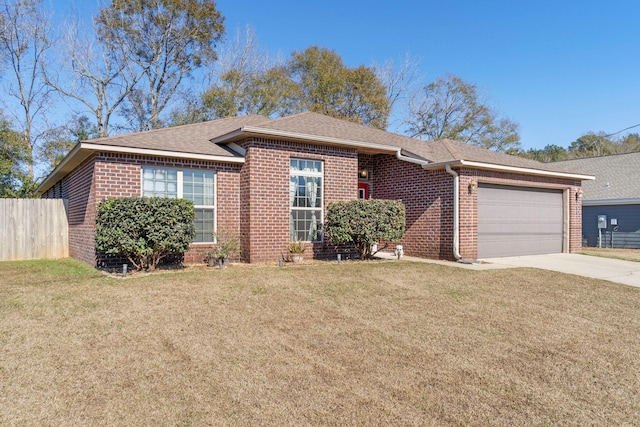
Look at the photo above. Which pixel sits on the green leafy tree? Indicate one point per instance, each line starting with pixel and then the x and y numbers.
pixel 599 144
pixel 59 141
pixel 550 153
pixel 166 40
pixel 14 181
pixel 365 222
pixel 451 108
pixel 239 75
pixel 273 93
pixel 146 229
pixel 630 143
pixel 591 145
pixel 315 80
pixel 327 86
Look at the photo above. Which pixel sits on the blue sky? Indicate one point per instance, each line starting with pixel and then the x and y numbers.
pixel 558 68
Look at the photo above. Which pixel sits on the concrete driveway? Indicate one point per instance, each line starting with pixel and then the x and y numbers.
pixel 614 270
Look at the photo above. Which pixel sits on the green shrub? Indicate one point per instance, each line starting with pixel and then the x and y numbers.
pixel 365 222
pixel 144 229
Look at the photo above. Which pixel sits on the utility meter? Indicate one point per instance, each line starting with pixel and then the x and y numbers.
pixel 602 221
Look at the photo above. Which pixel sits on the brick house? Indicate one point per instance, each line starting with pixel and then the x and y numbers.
pixel 271 180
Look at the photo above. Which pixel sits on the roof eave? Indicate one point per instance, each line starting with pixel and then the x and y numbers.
pixel 602 202
pixel 505 168
pixel 247 131
pixel 84 149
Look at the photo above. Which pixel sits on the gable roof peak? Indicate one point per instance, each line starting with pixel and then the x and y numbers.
pixel 452 148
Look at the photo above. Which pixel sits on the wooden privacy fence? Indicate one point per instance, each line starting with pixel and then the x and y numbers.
pixel 33 229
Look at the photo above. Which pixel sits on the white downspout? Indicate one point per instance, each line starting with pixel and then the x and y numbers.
pixel 456 199
pixel 456 213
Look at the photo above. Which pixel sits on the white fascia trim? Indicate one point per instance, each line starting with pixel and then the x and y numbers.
pixel 164 153
pixel 64 161
pixel 503 168
pixel 527 171
pixel 610 202
pixel 44 185
pixel 302 136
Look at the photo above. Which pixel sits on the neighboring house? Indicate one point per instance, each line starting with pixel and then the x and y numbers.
pixel 271 181
pixel 615 193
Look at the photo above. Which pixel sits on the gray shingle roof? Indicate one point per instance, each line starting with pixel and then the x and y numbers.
pixel 194 138
pixel 198 140
pixel 617 176
pixel 433 151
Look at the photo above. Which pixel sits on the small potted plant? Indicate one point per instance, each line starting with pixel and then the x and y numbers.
pixel 226 245
pixel 296 251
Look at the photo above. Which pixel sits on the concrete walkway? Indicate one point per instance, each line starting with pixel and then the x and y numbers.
pixel 613 270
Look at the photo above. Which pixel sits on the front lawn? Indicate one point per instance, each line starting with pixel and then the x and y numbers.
pixel 616 253
pixel 380 343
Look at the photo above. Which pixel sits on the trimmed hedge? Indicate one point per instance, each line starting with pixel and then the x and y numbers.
pixel 145 229
pixel 365 222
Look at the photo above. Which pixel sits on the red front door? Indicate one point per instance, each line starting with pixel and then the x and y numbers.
pixel 363 190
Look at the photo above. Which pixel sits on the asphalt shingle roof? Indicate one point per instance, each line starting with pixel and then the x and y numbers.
pixel 617 176
pixel 196 139
pixel 433 151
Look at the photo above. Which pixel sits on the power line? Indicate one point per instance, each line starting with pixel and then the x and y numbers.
pixel 615 133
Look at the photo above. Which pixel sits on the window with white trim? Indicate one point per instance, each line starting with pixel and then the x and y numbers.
pixel 195 185
pixel 306 198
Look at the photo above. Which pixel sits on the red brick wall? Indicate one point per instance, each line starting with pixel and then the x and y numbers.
pixel 428 198
pixel 80 188
pixel 253 198
pixel 119 175
pixel 265 193
pixel 106 175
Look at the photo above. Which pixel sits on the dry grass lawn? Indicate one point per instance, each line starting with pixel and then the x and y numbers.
pixel 387 343
pixel 617 253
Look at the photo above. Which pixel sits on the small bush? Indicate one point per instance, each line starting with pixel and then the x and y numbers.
pixel 227 243
pixel 146 229
pixel 297 247
pixel 365 222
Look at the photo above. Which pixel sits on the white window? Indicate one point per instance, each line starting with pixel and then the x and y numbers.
pixel 306 194
pixel 195 185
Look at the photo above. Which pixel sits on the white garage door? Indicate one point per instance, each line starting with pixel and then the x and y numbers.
pixel 516 221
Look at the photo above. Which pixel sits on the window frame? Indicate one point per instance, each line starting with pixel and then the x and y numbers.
pixel 320 208
pixel 180 193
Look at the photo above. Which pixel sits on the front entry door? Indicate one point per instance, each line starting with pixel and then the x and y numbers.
pixel 363 190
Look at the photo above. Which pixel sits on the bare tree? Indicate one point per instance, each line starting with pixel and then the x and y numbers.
pixel 94 73
pixel 165 39
pixel 451 108
pixel 402 80
pixel 23 44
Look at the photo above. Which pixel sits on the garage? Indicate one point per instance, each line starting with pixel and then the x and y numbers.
pixel 515 221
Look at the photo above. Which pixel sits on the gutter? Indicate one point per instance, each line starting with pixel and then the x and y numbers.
pixel 605 202
pixel 83 150
pixel 296 136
